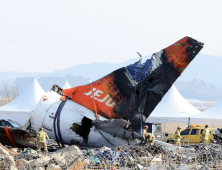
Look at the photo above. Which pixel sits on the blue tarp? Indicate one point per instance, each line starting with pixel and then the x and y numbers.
pixel 139 71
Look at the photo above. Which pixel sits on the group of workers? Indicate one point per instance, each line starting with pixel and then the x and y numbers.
pixel 148 137
pixel 204 136
pixel 41 138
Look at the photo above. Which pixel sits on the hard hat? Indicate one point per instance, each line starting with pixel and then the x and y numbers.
pixel 206 126
pixel 146 126
pixel 41 128
pixel 179 127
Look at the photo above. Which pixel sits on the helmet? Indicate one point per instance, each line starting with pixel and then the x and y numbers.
pixel 41 128
pixel 145 127
pixel 179 127
pixel 206 126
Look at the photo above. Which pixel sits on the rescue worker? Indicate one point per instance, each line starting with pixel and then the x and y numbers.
pixel 144 131
pixel 204 135
pixel 177 137
pixel 149 137
pixel 41 139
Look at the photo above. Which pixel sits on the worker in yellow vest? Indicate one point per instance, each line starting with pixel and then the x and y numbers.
pixel 205 135
pixel 149 137
pixel 177 137
pixel 144 131
pixel 41 139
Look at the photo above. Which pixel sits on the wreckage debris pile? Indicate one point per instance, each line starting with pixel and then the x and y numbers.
pixel 138 157
pixel 30 159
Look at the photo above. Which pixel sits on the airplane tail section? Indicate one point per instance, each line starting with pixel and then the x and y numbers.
pixel 132 92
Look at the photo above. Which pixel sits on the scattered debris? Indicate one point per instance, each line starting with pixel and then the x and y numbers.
pixel 129 157
pixel 6 160
pixel 28 154
pixel 21 163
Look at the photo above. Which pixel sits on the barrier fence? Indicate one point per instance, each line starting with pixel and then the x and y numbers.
pixel 159 156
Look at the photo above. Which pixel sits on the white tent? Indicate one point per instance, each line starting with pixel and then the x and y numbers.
pixel 212 116
pixel 173 108
pixel 214 112
pixel 20 109
pixel 66 85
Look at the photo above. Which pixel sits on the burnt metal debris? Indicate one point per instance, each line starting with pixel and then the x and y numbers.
pixel 217 137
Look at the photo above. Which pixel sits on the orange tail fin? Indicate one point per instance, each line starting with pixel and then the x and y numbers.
pixel 133 92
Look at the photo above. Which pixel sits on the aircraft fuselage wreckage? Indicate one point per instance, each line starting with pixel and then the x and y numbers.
pixel 108 111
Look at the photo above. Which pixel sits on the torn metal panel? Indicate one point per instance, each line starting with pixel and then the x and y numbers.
pixel 117 127
pixel 83 130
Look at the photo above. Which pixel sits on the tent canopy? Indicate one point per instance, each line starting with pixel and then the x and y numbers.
pixel 210 116
pixel 173 108
pixel 66 85
pixel 214 112
pixel 19 109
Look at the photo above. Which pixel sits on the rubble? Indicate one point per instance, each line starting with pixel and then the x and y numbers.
pixel 72 148
pixel 10 151
pixel 158 156
pixel 7 161
pixel 21 163
pixel 40 162
pixel 54 167
pixel 28 154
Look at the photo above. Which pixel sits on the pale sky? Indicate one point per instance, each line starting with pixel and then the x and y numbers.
pixel 49 35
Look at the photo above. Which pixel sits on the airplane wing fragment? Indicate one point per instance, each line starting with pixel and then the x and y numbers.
pixel 117 127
